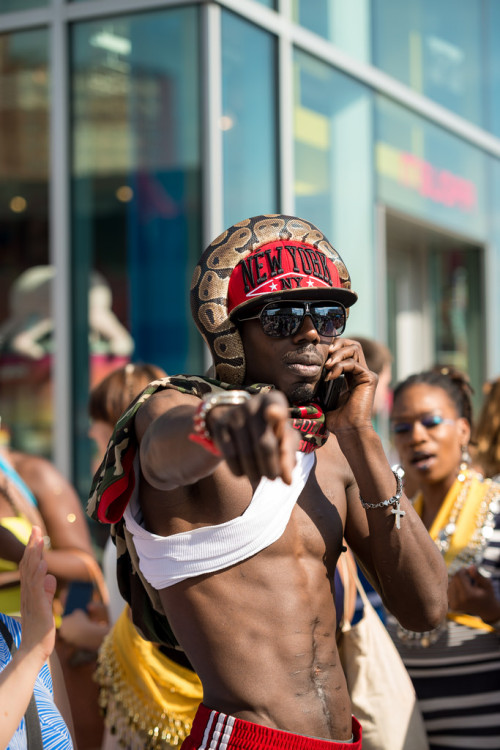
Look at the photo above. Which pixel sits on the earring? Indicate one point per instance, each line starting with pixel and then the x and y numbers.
pixel 465 460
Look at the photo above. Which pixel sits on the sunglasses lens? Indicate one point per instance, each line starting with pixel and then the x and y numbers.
pixel 329 319
pixel 433 421
pixel 400 428
pixel 285 318
pixel 281 320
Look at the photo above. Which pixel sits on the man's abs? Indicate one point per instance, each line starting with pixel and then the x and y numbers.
pixel 261 636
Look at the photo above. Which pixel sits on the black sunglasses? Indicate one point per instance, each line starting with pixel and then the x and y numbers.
pixel 284 318
pixel 429 422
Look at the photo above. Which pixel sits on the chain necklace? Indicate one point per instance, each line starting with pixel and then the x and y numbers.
pixel 472 554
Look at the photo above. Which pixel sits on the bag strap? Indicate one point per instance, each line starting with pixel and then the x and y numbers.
pixel 7 636
pixel 95 574
pixel 362 593
pixel 346 575
pixel 33 729
pixel 31 717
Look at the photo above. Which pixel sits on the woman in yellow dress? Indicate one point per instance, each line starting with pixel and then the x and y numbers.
pixel 455 668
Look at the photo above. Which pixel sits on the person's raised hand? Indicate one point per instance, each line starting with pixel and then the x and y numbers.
pixel 256 438
pixel 37 594
pixel 345 357
pixel 472 593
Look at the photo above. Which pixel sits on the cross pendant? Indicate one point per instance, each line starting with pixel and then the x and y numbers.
pixel 399 515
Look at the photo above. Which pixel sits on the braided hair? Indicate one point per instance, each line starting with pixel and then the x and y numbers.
pixel 487 433
pixel 453 382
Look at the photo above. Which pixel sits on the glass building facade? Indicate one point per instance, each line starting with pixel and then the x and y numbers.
pixel 132 133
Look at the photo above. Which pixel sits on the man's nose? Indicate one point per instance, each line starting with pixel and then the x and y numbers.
pixel 307 329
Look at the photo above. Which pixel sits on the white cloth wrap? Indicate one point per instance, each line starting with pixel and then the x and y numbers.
pixel 165 561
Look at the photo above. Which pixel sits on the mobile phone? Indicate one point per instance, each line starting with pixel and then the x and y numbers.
pixel 79 595
pixel 330 391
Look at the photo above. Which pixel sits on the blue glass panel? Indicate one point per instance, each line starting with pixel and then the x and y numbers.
pixel 427 172
pixel 435 48
pixel 8 6
pixel 136 197
pixel 333 171
pixel 345 23
pixel 26 278
pixel 492 54
pixel 249 120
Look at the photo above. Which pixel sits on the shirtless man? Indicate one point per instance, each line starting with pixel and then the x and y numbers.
pixel 247 581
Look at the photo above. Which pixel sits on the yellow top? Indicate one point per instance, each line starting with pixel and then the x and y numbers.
pixel 144 693
pixel 466 522
pixel 10 596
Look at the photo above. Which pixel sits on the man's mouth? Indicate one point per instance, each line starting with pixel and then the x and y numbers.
pixel 307 365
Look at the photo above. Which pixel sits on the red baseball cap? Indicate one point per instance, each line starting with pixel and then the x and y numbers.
pixel 288 268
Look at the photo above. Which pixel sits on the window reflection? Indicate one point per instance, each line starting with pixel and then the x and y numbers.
pixel 424 170
pixel 333 168
pixel 136 193
pixel 492 80
pixel 346 23
pixel 25 339
pixel 8 6
pixel 436 48
pixel 249 120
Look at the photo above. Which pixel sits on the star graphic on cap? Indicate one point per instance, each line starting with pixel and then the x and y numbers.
pixel 310 282
pixel 274 286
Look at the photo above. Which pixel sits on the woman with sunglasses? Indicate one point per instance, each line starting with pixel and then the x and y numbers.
pixel 456 667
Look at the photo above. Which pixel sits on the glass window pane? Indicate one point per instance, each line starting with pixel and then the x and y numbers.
pixel 249 120
pixel 425 171
pixel 136 196
pixel 493 66
pixel 435 295
pixel 333 171
pixel 455 281
pixel 10 6
pixel 346 23
pixel 26 278
pixel 492 274
pixel 433 47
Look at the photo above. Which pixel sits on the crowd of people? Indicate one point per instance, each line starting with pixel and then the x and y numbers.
pixel 243 509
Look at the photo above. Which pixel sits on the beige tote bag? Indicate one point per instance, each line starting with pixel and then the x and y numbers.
pixel 382 693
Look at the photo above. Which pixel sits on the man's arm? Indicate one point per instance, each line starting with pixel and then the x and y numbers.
pixel 403 563
pixel 254 438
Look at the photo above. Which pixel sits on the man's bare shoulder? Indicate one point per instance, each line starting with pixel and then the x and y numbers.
pixel 158 404
pixel 333 473
pixel 331 458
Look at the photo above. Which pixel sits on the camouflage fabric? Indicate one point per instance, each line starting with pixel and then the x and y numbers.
pixel 115 480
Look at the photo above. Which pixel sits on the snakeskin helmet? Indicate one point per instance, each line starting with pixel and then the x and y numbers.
pixel 254 259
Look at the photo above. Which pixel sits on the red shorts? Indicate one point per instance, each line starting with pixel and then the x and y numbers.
pixel 213 730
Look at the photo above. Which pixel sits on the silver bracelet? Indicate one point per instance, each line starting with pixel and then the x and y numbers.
pixel 200 433
pixel 209 402
pixel 394 500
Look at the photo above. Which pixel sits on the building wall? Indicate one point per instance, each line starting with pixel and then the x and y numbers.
pixel 131 134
